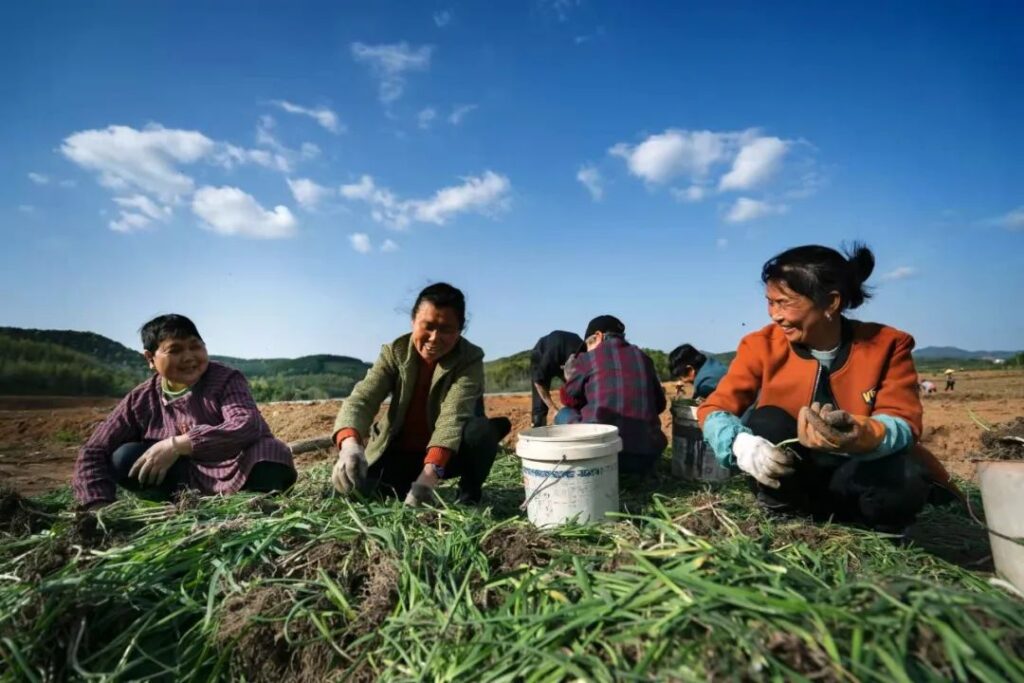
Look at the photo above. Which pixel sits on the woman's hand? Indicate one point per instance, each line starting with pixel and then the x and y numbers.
pixel 762 459
pixel 350 470
pixel 422 490
pixel 823 428
pixel 152 467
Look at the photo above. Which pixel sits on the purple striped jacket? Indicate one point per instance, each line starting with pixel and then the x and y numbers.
pixel 219 416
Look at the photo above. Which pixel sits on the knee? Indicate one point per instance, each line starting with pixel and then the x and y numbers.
pixel 477 433
pixel 125 456
pixel 772 423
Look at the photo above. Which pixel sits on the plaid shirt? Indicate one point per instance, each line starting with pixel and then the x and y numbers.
pixel 616 384
pixel 219 416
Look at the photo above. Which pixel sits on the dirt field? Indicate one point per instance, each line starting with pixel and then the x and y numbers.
pixel 40 436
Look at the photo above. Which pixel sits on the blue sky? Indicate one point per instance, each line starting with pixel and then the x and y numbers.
pixel 289 175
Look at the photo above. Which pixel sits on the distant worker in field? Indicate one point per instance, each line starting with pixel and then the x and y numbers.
pixel 613 382
pixel 434 428
pixel 547 361
pixel 690 366
pixel 192 425
pixel 928 387
pixel 846 389
pixel 950 380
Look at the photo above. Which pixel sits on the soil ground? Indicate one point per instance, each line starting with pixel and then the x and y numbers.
pixel 39 436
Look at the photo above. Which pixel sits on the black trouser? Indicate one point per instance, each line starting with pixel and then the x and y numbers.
pixel 395 471
pixel 884 493
pixel 540 408
pixel 264 476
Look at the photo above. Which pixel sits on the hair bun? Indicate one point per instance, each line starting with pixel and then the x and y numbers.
pixel 862 262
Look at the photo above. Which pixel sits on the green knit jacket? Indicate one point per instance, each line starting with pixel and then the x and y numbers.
pixel 457 386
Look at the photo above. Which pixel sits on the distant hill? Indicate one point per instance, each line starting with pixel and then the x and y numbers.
pixel 72 363
pixel 952 352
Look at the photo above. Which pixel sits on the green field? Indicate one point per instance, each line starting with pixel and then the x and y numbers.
pixel 690 584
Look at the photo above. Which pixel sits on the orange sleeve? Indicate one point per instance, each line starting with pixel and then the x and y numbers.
pixel 738 389
pixel 897 393
pixel 343 434
pixel 438 456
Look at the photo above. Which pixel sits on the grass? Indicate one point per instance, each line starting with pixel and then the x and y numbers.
pixel 690 584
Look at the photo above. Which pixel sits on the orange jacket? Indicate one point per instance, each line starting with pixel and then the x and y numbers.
pixel 873 373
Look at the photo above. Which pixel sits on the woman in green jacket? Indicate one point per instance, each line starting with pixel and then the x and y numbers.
pixel 434 428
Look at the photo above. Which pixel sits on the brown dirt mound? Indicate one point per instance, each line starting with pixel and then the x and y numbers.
pixel 803 657
pixel 19 516
pixel 264 646
pixel 996 444
pixel 508 548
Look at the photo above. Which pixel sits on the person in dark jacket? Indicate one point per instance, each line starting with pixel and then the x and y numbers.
pixel 547 361
pixel 690 366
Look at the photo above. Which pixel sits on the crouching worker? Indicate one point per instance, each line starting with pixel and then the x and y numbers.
pixel 690 366
pixel 434 428
pixel 613 382
pixel 846 389
pixel 192 425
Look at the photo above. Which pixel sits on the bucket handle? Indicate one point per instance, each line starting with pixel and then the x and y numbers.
pixel 1015 540
pixel 540 486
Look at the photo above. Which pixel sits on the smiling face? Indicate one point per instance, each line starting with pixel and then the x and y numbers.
pixel 179 361
pixel 801 320
pixel 435 331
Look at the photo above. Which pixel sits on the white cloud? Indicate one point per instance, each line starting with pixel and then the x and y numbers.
pixel 900 273
pixel 756 162
pixel 746 209
pixel 1014 220
pixel 426 117
pixel 390 63
pixel 360 242
pixel 309 150
pixel 721 243
pixel 560 8
pixel 322 115
pixel 230 211
pixel 459 112
pixel 694 193
pixel 591 179
pixel 675 152
pixel 143 160
pixel 129 222
pixel 307 193
pixel 485 194
pixel 442 18
pixel 39 178
pixel 138 212
pixel 230 156
pixel 389 245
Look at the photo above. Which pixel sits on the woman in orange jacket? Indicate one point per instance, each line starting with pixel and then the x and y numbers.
pixel 846 389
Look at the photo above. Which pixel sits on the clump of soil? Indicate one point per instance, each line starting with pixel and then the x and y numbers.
pixel 19 516
pixel 1004 441
pixel 706 518
pixel 379 594
pixel 788 534
pixel 508 548
pixel 254 626
pixel 802 657
pixel 186 499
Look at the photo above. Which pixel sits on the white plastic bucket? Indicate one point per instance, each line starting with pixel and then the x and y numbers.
pixel 1002 486
pixel 570 472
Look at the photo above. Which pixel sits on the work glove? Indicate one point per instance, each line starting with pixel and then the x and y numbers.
pixel 350 470
pixel 422 490
pixel 570 367
pixel 761 459
pixel 824 428
pixel 152 466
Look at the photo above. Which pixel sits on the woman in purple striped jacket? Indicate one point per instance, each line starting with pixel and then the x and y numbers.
pixel 194 424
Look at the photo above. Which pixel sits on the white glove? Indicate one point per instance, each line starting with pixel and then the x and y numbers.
pixel 350 470
pixel 422 490
pixel 760 458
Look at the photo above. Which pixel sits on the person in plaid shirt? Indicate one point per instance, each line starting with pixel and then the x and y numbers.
pixel 613 382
